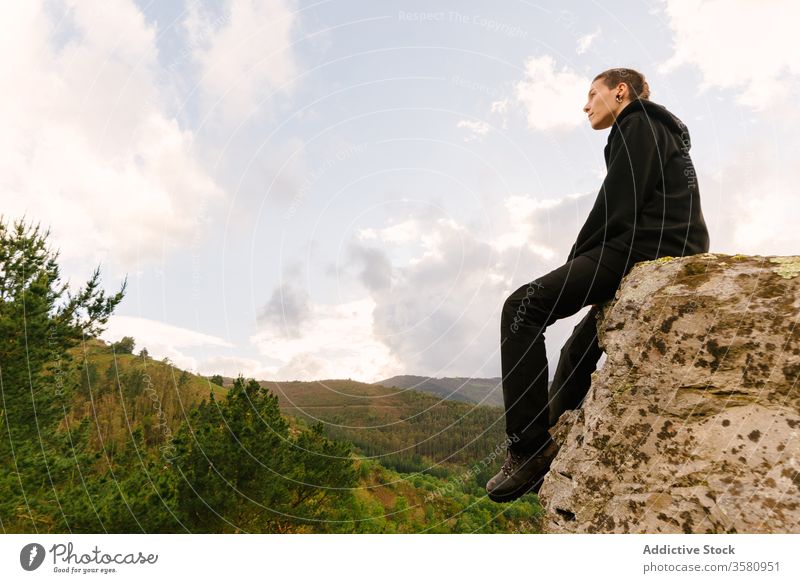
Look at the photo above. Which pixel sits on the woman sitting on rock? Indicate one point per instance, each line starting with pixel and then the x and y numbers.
pixel 648 207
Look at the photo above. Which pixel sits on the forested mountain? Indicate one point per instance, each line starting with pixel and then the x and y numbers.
pixel 487 391
pixel 96 438
pixel 148 447
pixel 407 430
pixel 471 390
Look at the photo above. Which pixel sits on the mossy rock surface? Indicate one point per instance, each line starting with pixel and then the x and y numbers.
pixel 690 426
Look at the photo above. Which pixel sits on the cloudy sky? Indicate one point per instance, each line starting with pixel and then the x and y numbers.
pixel 342 189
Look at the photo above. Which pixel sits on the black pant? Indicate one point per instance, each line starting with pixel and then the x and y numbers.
pixel 530 411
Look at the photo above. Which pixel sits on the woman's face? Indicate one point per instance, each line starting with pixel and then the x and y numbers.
pixel 602 106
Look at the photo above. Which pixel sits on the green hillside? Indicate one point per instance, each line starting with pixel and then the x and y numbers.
pixel 121 392
pixel 146 466
pixel 407 430
pixel 487 392
pixel 99 439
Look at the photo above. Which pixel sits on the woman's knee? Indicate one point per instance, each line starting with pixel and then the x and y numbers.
pixel 523 305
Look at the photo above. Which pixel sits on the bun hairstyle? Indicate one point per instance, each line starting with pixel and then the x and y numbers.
pixel 633 79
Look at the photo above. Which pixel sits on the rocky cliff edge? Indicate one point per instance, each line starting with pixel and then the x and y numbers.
pixel 693 422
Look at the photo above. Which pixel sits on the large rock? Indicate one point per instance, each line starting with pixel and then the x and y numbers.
pixel 693 422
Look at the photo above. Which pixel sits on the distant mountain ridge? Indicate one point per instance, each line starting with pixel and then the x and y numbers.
pixel 407 430
pixel 484 391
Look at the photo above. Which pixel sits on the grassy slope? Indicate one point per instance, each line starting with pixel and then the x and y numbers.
pixel 406 429
pixel 374 418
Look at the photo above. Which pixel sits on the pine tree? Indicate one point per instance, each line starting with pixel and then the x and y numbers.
pixel 239 471
pixel 40 322
pixel 124 346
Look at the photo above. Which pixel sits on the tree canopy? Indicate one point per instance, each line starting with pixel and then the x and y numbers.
pixel 41 320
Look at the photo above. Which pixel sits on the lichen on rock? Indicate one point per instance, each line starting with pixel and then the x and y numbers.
pixel 789 266
pixel 693 423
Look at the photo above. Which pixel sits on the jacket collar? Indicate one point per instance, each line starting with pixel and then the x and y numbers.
pixel 653 111
pixel 635 105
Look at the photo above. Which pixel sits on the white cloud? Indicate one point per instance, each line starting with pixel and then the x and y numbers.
pixel 751 46
pixel 432 290
pixel 439 316
pixel 524 228
pixel 552 99
pixel 87 146
pixel 413 234
pixel 751 204
pixel 436 311
pixel 232 366
pixel 500 106
pixel 245 54
pixel 545 227
pixel 477 129
pixel 400 232
pixel 335 341
pixel 586 41
pixel 161 340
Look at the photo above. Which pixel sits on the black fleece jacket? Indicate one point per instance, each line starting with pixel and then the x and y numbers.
pixel 649 204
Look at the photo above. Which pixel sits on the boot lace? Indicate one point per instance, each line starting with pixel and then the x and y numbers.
pixel 512 461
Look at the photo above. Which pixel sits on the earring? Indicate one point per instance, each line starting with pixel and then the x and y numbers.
pixel 619 99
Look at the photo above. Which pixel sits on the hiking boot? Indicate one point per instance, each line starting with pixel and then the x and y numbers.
pixel 521 474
